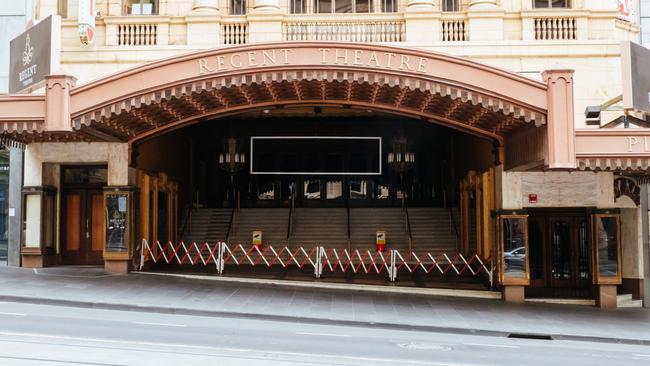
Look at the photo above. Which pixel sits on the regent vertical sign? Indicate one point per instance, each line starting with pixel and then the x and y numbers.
pixel 34 54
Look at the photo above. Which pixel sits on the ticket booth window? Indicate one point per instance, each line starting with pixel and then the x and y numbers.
pixel 513 249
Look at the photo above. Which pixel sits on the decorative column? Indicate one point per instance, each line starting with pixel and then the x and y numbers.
pixel 422 22
pixel 203 27
pixel 485 21
pixel 265 21
pixel 57 102
pixel 559 124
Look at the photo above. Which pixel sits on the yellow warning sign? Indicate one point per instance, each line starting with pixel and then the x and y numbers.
pixel 381 237
pixel 257 238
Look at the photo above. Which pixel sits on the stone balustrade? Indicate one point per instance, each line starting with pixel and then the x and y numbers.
pixel 420 22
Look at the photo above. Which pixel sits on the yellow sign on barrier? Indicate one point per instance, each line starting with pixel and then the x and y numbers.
pixel 381 241
pixel 257 238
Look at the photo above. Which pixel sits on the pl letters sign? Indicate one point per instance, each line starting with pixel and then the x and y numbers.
pixel 324 56
pixel 31 55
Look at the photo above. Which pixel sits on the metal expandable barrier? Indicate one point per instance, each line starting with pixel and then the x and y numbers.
pixel 318 258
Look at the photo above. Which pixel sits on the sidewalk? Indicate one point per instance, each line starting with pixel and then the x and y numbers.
pixel 90 287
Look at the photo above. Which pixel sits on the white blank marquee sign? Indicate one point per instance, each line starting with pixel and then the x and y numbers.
pixel 316 155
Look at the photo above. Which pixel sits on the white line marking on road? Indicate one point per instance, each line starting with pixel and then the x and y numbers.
pixel 104 341
pixel 324 334
pixel 641 355
pixel 14 314
pixel 490 345
pixel 161 324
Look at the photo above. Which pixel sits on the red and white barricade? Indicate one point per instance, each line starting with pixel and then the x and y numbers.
pixel 318 258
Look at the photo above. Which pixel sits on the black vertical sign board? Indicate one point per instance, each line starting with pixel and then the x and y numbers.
pixel 116 221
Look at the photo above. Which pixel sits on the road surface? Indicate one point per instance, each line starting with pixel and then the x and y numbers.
pixel 47 335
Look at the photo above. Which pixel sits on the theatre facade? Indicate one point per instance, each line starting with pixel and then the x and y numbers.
pixel 386 151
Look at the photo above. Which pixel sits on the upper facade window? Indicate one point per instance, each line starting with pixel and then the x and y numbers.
pixel 343 6
pixel 237 7
pixel 551 4
pixel 140 7
pixel 450 5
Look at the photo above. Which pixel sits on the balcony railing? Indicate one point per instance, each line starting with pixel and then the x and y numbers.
pixel 137 31
pixel 351 30
pixel 137 34
pixel 234 30
pixel 541 25
pixel 556 28
pixel 454 30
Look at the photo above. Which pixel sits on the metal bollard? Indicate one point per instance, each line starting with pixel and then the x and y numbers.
pixel 318 264
pixel 220 259
pixel 393 267
pixel 144 242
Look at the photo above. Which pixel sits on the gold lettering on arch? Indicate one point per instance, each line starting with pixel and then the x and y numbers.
pixel 270 57
pixel 238 63
pixel 203 66
pixel 373 58
pixel 342 56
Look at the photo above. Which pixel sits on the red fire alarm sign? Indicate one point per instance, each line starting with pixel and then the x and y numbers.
pixel 532 198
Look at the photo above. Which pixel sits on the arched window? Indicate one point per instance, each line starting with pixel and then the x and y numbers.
pixel 140 7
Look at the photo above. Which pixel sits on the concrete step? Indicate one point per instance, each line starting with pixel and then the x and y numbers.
pixel 626 301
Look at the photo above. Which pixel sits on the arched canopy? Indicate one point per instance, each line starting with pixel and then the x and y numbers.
pixel 167 94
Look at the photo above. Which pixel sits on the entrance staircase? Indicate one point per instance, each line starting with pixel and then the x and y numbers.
pixel 326 227
pixel 432 230
pixel 365 222
pixel 272 222
pixel 207 225
pixel 626 301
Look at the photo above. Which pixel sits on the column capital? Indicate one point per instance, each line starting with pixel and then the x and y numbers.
pixel 266 6
pixel 205 6
pixel 57 102
pixel 560 128
pixel 483 5
pixel 421 5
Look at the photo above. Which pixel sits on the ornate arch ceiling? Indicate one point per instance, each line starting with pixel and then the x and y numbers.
pixel 168 94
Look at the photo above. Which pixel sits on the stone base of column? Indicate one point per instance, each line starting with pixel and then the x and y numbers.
pixel 117 266
pixel 37 258
pixel 607 297
pixel 514 294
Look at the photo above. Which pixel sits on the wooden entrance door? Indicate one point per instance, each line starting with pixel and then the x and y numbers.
pixel 82 224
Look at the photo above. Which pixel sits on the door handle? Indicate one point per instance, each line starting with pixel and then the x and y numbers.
pixel 87 232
